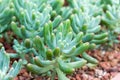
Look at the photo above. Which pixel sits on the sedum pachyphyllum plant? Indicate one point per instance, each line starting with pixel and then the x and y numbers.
pixel 6 13
pixel 59 55
pixel 55 4
pixel 90 26
pixel 7 73
pixel 111 19
pixel 32 19
pixel 87 18
pixel 87 6
pixel 22 49
pixel 105 3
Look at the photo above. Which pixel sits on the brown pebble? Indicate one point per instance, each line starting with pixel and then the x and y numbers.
pixel 96 79
pixel 114 69
pixel 84 68
pixel 90 77
pixel 111 57
pixel 78 77
pixel 106 77
pixel 97 57
pixel 21 78
pixel 114 62
pixel 16 78
pixel 26 74
pixel 105 65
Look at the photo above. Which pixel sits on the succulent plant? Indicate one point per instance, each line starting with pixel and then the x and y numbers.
pixel 28 15
pixel 56 4
pixel 7 73
pixel 24 33
pixel 105 3
pixel 22 49
pixel 6 13
pixel 111 18
pixel 6 9
pixel 83 22
pixel 59 53
pixel 90 26
pixel 77 3
pixel 86 6
pixel 65 12
pixel 31 19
